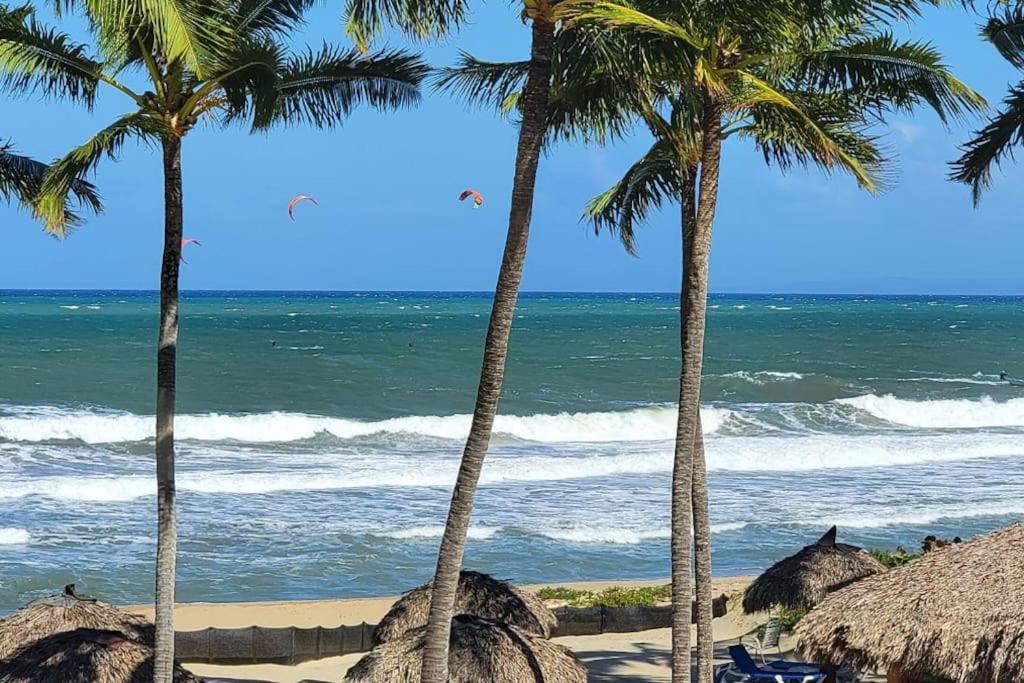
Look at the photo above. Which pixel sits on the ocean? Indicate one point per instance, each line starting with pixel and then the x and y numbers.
pixel 319 435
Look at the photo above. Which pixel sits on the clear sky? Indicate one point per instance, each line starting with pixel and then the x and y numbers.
pixel 389 218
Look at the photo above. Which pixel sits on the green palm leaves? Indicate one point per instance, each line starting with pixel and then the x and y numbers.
pixel 804 83
pixel 1005 130
pixel 216 59
pixel 21 179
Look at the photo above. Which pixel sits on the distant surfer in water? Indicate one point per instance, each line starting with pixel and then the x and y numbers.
pixel 1004 377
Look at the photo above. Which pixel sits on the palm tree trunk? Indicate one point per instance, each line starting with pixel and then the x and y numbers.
pixel 702 571
pixel 166 538
pixel 693 308
pixel 449 559
pixel 701 520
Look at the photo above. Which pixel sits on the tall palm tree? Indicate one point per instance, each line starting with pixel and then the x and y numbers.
pixel 216 59
pixel 532 82
pixel 804 80
pixel 1005 130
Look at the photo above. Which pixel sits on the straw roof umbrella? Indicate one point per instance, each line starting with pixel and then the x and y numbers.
pixel 67 612
pixel 84 656
pixel 955 613
pixel 481 650
pixel 478 595
pixel 804 579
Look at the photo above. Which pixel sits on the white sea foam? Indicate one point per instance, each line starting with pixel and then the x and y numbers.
pixel 940 413
pixel 70 308
pixel 761 377
pixel 588 535
pixel 13 536
pixel 640 424
pixel 476 533
pixel 622 536
pixel 783 453
pixel 881 517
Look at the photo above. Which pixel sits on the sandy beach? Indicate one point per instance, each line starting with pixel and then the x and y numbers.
pixel 631 657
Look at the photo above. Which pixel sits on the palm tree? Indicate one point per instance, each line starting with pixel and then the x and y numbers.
pixel 215 59
pixel 1005 130
pixel 532 81
pixel 805 86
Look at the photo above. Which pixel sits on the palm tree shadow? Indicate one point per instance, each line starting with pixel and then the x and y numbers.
pixel 607 665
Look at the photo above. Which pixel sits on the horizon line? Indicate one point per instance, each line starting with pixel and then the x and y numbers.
pixel 491 292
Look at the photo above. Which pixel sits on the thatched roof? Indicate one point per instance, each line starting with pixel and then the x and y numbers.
pixel 84 656
pixel 67 612
pixel 478 595
pixel 956 613
pixel 481 650
pixel 804 579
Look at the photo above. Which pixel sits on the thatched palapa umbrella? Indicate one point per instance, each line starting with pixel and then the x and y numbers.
pixel 480 650
pixel 804 579
pixel 478 595
pixel 69 639
pixel 84 656
pixel 955 613
pixel 67 612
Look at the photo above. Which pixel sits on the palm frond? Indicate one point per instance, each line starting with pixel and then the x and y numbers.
pixel 992 144
pixel 831 153
pixel 648 182
pixel 1006 32
pixel 35 58
pixel 897 75
pixel 786 140
pixel 613 15
pixel 21 177
pixel 322 88
pixel 365 20
pixel 52 200
pixel 269 17
pixel 248 83
pixel 488 84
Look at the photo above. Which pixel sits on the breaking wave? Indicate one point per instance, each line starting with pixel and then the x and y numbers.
pixel 639 424
pixel 941 413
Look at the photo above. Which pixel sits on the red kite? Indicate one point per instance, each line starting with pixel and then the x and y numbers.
pixel 478 198
pixel 185 241
pixel 299 198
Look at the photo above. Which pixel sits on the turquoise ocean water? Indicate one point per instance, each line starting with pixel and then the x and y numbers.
pixel 319 435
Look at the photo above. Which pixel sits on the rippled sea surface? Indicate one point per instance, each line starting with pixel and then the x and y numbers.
pixel 319 435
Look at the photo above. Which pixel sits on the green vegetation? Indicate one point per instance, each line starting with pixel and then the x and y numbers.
pixel 622 596
pixel 790 617
pixel 891 558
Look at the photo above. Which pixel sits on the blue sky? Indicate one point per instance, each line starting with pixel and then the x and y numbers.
pixel 389 218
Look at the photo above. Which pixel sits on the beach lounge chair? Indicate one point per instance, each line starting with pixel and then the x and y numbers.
pixel 767 639
pixel 775 672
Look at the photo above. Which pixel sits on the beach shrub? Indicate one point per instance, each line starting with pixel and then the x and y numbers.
pixel 789 617
pixel 892 558
pixel 616 596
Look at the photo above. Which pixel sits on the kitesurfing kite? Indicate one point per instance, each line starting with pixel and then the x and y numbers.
pixel 296 199
pixel 185 241
pixel 478 198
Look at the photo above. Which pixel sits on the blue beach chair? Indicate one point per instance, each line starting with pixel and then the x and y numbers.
pixel 774 672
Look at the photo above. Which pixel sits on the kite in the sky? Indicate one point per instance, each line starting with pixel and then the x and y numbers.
pixel 478 198
pixel 296 199
pixel 185 241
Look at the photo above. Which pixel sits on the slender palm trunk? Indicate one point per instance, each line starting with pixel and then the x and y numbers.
pixel 702 569
pixel 166 538
pixel 693 308
pixel 449 559
pixel 701 521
